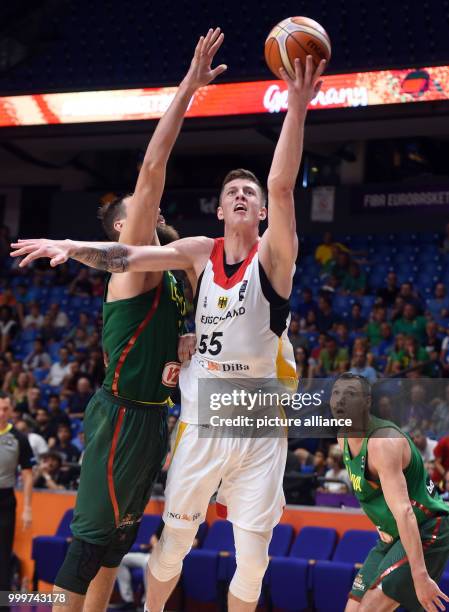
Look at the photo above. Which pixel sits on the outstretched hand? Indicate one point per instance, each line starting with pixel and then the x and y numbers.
pixel 56 250
pixel 306 84
pixel 201 72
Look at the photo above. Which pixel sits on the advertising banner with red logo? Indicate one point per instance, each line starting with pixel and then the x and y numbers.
pixel 257 97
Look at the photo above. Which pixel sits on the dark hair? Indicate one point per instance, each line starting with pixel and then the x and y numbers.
pixel 109 213
pixel 4 395
pixel 51 455
pixel 365 383
pixel 241 173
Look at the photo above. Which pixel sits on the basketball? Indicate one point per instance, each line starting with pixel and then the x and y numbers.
pixel 296 37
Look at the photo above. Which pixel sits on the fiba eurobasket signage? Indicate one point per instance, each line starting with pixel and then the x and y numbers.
pixel 258 97
pixel 399 198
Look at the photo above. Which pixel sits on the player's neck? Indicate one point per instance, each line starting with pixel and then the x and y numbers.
pixel 238 243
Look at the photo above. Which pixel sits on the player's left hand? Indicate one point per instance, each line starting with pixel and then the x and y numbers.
pixel 201 72
pixel 186 347
pixel 306 85
pixel 430 595
pixel 56 250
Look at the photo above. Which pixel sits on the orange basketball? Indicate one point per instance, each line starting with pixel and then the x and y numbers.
pixel 296 37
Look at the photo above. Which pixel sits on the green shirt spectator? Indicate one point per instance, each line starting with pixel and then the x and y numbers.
pixel 374 327
pixel 411 325
pixel 354 281
pixel 333 359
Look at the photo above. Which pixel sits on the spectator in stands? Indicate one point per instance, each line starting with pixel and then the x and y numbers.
pixel 325 317
pixel 60 369
pixel 95 367
pixel 439 305
pixel 356 322
pixel 69 385
pixel 336 471
pixel 8 328
pixel 330 286
pixel 411 324
pixel 342 336
pixel 310 323
pixel 409 296
pixel 361 367
pixel 64 447
pixel 10 382
pixel 32 402
pixel 414 355
pixel 60 318
pixel 354 282
pixel 97 281
pixel 396 358
pixel 81 285
pixel 57 415
pixel 296 338
pixel 398 309
pixel 305 367
pixel 333 360
pixel 440 416
pixel 62 276
pixel 37 442
pixel 48 332
pixel 33 320
pixel 323 252
pixel 441 452
pixel 24 384
pixel 306 304
pixel 44 426
pixel 373 329
pixel 7 298
pixel 81 339
pixel 322 339
pixel 38 357
pixel 79 400
pixel 49 475
pixel 385 408
pixel 425 445
pixel 386 340
pixel 341 267
pixel 389 293
pixel 417 414
pixel 433 340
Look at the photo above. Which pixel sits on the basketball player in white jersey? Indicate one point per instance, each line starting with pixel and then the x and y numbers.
pixel 242 285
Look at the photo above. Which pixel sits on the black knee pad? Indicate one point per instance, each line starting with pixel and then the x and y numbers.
pixel 81 565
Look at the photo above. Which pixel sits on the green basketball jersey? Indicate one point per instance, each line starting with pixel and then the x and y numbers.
pixel 140 342
pixel 422 492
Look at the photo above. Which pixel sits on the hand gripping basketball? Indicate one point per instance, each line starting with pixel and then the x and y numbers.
pixel 304 87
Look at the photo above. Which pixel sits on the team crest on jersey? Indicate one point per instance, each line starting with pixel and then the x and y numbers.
pixel 170 374
pixel 242 290
pixel 222 301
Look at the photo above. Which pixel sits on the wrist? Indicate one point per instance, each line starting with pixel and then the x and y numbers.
pixel 187 86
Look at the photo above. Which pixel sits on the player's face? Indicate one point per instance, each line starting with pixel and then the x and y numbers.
pixel 5 411
pixel 120 223
pixel 348 400
pixel 241 202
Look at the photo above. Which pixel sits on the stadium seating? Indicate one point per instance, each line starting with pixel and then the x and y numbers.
pixel 48 552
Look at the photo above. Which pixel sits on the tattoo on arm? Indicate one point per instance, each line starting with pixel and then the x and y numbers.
pixel 112 258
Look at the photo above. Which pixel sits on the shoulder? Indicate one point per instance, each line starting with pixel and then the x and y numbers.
pixel 386 444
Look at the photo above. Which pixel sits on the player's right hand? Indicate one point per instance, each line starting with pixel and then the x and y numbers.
pixel 430 595
pixel 201 72
pixel 56 250
pixel 186 347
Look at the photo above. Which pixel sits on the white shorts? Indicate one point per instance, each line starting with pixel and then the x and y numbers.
pixel 248 473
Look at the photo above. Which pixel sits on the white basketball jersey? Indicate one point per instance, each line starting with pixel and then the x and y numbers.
pixel 239 333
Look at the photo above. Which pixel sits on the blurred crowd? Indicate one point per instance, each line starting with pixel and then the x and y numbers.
pixel 51 360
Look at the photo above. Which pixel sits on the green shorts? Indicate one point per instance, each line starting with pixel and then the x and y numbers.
pixel 386 565
pixel 126 446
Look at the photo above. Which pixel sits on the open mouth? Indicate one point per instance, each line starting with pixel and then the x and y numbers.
pixel 240 208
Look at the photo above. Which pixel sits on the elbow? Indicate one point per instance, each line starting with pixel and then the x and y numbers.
pixel 282 188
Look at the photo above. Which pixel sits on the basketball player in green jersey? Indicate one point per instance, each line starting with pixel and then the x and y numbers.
pixel 390 481
pixel 125 422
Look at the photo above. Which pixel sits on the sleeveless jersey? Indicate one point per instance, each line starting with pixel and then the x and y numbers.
pixel 422 492
pixel 240 334
pixel 140 342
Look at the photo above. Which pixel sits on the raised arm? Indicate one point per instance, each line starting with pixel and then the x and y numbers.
pixel 279 245
pixel 144 205
pixel 188 254
pixel 386 454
